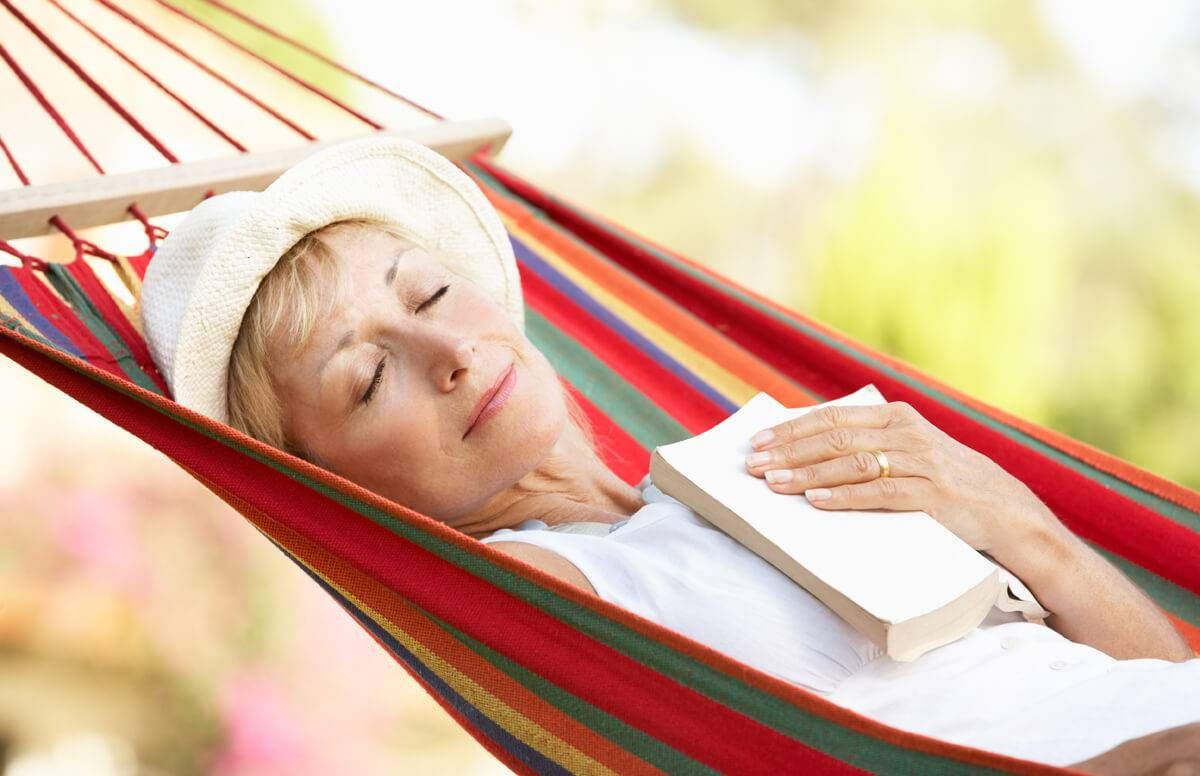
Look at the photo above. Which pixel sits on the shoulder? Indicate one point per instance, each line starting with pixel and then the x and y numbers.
pixel 546 560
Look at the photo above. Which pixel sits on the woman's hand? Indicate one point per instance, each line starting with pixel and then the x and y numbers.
pixel 825 455
pixel 1092 601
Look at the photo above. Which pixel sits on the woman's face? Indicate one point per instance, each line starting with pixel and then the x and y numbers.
pixel 385 388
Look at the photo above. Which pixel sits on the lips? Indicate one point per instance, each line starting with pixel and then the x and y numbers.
pixel 486 397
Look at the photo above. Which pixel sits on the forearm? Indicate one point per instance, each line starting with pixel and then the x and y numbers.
pixel 1090 600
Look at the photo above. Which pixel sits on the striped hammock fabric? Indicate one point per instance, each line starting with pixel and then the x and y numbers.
pixel 656 348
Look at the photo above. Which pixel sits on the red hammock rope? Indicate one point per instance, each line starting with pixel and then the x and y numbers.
pixel 150 77
pixel 12 160
pixel 289 75
pixel 289 123
pixel 100 91
pixel 25 259
pixel 154 232
pixel 46 106
pixel 318 55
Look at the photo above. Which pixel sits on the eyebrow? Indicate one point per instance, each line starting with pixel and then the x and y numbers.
pixel 390 275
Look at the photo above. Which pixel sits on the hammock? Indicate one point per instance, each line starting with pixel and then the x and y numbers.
pixel 655 348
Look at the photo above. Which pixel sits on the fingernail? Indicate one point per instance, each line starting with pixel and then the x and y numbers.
pixel 817 494
pixel 762 438
pixel 780 475
pixel 758 459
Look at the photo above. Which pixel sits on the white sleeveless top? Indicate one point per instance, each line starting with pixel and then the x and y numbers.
pixel 1010 686
pixel 670 565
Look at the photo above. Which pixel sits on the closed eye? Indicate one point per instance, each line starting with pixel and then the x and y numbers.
pixel 378 376
pixel 433 299
pixel 374 381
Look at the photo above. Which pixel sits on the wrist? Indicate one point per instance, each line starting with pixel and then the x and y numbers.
pixel 1037 547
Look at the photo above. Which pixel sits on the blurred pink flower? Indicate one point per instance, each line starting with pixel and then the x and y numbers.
pixel 262 732
pixel 95 529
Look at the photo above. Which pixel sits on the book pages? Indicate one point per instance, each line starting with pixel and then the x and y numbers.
pixel 895 565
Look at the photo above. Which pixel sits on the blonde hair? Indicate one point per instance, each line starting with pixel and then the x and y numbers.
pixel 290 300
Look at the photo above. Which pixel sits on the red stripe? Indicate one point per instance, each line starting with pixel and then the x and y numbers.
pixel 619 451
pixel 63 318
pixel 634 693
pixel 112 315
pixel 1116 522
pixel 695 411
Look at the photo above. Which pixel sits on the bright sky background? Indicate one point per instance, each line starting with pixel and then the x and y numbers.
pixel 626 85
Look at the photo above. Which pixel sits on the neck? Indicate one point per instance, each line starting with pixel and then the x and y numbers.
pixel 570 485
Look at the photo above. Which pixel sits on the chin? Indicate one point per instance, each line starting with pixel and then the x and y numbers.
pixel 517 440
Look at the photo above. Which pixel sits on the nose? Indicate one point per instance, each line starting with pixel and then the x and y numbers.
pixel 445 353
pixel 450 354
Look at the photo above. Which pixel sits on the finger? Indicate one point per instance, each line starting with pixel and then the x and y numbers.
pixel 899 493
pixel 830 417
pixel 854 468
pixel 827 446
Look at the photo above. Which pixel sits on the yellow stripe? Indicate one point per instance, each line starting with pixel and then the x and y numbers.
pixel 722 380
pixel 11 312
pixel 128 275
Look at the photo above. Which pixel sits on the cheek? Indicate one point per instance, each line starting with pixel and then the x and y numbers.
pixel 398 455
pixel 543 409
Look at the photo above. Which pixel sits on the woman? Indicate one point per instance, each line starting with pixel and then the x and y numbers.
pixel 364 312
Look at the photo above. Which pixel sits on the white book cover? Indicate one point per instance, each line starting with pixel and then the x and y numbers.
pixel 895 565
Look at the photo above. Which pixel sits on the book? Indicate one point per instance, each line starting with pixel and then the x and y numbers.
pixel 900 578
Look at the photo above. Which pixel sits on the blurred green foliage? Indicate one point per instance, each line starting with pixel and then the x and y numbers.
pixel 1018 239
pixel 298 19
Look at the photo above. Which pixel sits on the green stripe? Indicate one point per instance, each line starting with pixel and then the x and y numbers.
pixel 73 293
pixel 1179 514
pixel 641 418
pixel 628 737
pixel 847 746
pixel 1167 594
pixel 814 731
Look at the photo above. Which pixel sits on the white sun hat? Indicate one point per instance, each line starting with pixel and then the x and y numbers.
pixel 204 274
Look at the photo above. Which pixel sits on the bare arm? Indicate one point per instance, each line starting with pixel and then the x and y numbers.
pixel 546 560
pixel 1091 601
pixel 1171 752
pixel 830 455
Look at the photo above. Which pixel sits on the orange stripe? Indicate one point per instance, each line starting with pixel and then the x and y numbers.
pixel 1190 633
pixel 683 325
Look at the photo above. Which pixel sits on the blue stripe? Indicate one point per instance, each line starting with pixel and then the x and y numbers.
pixel 12 292
pixel 620 328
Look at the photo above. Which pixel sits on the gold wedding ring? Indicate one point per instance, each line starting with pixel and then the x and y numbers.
pixel 883 462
